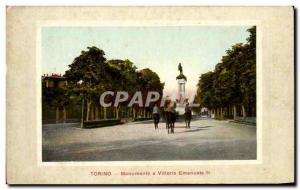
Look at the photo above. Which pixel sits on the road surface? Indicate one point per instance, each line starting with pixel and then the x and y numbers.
pixel 207 139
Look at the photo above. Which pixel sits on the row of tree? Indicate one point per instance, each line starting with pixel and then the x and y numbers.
pixel 91 74
pixel 230 90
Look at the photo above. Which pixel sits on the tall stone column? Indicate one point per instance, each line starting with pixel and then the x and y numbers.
pixel 181 90
pixel 181 80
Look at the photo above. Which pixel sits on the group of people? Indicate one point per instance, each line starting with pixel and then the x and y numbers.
pixel 170 115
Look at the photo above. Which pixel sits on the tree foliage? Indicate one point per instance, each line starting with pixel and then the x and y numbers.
pixel 149 81
pixel 233 81
pixel 97 74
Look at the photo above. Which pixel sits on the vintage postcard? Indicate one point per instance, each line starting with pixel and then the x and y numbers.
pixel 150 95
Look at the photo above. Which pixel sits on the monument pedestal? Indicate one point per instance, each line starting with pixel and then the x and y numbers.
pixel 181 90
pixel 180 110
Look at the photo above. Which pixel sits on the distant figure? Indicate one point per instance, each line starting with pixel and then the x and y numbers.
pixel 156 118
pixel 188 115
pixel 180 68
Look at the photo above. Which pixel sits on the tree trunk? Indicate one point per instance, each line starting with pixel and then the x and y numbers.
pixel 100 112
pixel 88 110
pixel 144 112
pixel 104 112
pixel 244 111
pixel 64 115
pixel 117 112
pixel 56 115
pixel 221 115
pixel 228 112
pixel 92 112
pixel 133 113
pixel 96 112
pixel 234 112
pixel 82 113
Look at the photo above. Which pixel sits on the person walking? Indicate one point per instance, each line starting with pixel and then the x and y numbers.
pixel 155 113
pixel 188 115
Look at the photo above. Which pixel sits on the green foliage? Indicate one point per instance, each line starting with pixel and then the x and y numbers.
pixel 149 81
pixel 233 82
pixel 90 74
pixel 91 68
pixel 54 97
pixel 124 75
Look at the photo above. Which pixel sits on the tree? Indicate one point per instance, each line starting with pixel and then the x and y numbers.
pixel 91 68
pixel 54 98
pixel 233 82
pixel 149 81
pixel 98 75
pixel 205 91
pixel 125 78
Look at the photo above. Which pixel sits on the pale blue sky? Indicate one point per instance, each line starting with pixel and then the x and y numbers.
pixel 160 48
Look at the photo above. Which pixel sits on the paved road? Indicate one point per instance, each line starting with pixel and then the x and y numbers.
pixel 206 140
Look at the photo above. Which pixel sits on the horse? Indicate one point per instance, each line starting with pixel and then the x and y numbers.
pixel 170 121
pixel 170 116
pixel 188 117
pixel 156 120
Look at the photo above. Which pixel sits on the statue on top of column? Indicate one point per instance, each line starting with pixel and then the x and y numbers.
pixel 180 68
pixel 181 75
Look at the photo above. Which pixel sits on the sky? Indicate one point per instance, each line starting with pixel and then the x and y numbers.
pixel 161 48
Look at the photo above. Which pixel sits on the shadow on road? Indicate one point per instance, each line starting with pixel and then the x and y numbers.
pixel 179 126
pixel 183 126
pixel 193 130
pixel 205 127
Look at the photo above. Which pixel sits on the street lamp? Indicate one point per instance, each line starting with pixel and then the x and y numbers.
pixel 82 104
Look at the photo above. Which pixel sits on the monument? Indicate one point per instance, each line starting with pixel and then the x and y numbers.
pixel 181 80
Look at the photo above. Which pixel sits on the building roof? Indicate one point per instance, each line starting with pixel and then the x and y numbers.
pixel 54 76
